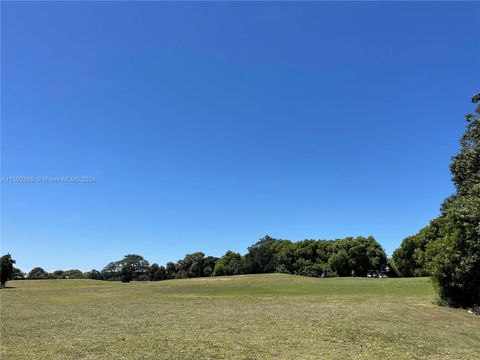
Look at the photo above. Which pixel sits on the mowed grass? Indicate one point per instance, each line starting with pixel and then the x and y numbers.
pixel 271 316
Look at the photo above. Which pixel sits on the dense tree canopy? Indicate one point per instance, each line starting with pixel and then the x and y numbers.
pixel 455 256
pixel 411 257
pixel 93 274
pixel 157 272
pixel 260 257
pixel 131 267
pixel 229 264
pixel 465 166
pixel 38 273
pixel 307 257
pixel 6 269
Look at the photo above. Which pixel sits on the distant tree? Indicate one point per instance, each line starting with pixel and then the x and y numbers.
pixel 157 273
pixel 127 273
pixel 285 256
pixel 180 273
pixel 131 267
pixel 209 264
pixel 73 274
pixel 406 257
pixel 360 254
pixel 170 270
pixel 261 257
pixel 307 250
pixel 306 267
pixel 37 274
pixel 282 269
pixel 411 257
pixel 139 266
pixel 192 265
pixel 307 261
pixel 375 256
pixel 207 271
pixel 229 264
pixel 153 271
pixel 161 273
pixel 339 262
pixel 325 248
pixel 6 269
pixel 93 274
pixel 59 274
pixel 113 271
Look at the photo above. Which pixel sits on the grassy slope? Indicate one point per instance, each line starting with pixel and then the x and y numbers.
pixel 248 317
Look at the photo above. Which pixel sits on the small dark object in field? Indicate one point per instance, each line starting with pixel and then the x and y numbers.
pixel 476 309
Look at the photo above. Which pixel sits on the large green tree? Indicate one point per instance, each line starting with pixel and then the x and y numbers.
pixel 6 268
pixel 261 257
pixel 157 272
pixel 73 274
pixel 360 254
pixel 170 269
pixel 229 264
pixel 38 273
pixel 454 258
pixel 131 267
pixel 93 274
pixel 192 265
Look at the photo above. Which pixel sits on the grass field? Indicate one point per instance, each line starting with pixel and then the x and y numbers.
pixel 243 317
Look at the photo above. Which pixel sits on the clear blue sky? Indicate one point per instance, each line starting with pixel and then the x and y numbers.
pixel 209 125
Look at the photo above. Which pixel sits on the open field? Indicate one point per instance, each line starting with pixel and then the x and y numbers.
pixel 243 317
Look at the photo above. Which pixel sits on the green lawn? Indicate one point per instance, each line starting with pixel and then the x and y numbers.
pixel 242 317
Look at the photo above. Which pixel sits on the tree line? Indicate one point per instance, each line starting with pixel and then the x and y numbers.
pixel 268 255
